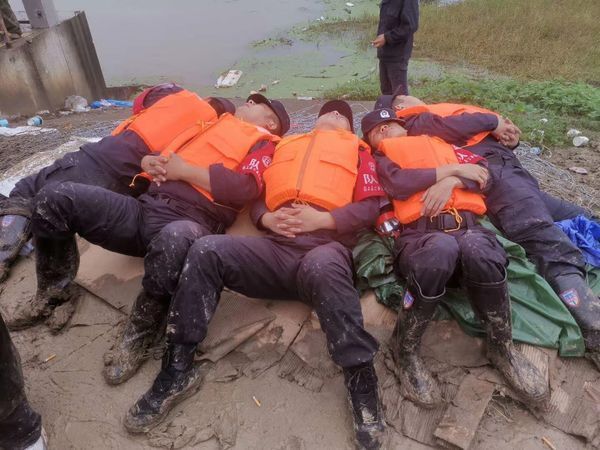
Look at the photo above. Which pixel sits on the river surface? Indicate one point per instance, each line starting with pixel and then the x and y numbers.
pixel 188 41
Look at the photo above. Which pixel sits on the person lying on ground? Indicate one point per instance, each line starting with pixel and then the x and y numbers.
pixel 204 200
pixel 440 238
pixel 160 114
pixel 518 208
pixel 320 190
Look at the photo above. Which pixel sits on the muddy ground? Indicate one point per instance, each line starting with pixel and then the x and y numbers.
pixel 64 382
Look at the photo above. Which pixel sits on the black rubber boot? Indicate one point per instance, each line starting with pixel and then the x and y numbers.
pixel 141 331
pixel 367 413
pixel 57 262
pixel 584 306
pixel 178 379
pixel 492 303
pixel 15 231
pixel 416 381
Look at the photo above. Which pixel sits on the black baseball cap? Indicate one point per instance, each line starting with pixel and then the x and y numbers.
pixel 384 101
pixel 340 106
pixel 221 105
pixel 278 108
pixel 376 117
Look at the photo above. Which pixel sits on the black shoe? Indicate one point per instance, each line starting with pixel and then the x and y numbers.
pixel 178 379
pixel 367 412
pixel 133 347
pixel 492 304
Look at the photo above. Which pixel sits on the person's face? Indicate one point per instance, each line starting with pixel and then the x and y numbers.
pixel 385 130
pixel 333 120
pixel 258 114
pixel 406 101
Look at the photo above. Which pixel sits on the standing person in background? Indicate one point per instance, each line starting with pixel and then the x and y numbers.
pixel 398 22
pixel 20 426
pixel 10 20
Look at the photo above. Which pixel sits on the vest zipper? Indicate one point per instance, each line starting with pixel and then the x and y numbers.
pixel 305 163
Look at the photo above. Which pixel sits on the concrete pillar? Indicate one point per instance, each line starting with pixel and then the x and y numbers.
pixel 41 13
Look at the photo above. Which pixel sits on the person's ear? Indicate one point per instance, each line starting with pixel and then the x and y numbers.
pixel 272 125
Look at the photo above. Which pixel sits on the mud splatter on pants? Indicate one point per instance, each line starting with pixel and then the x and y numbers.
pixel 20 426
pixel 432 257
pixel 314 270
pixel 146 227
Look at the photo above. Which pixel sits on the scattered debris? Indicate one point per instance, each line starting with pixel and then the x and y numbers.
pixel 573 132
pixel 3 123
pixel 107 103
pixel 579 170
pixel 76 103
pixel 35 121
pixel 229 79
pixel 252 92
pixel 349 4
pixel 461 420
pixel 535 150
pixel 256 401
pixel 18 131
pixel 547 441
pixel 43 112
pixel 304 98
pixel 50 358
pixel 263 88
pixel 275 82
pixel 543 121
pixel 580 141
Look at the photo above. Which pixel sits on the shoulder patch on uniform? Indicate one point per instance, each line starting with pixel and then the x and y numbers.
pixel 408 300
pixel 570 297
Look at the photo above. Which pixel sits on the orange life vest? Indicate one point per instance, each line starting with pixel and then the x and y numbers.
pixel 164 120
pixel 424 152
pixel 225 141
pixel 446 110
pixel 319 167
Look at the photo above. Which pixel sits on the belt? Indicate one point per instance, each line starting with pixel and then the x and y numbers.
pixel 448 221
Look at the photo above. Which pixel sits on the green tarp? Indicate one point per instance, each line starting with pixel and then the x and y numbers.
pixel 539 316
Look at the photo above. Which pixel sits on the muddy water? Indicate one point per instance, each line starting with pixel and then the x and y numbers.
pixel 188 41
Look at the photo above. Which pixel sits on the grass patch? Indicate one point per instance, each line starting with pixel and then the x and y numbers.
pixel 358 29
pixel 563 104
pixel 539 39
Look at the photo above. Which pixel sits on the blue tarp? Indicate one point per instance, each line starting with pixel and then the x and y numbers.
pixel 585 234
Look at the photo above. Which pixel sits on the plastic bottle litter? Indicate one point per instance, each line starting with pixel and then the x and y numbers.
pixel 573 132
pixel 4 123
pixel 35 121
pixel 580 141
pixel 76 103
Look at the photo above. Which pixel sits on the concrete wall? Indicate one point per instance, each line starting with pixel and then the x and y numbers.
pixel 38 72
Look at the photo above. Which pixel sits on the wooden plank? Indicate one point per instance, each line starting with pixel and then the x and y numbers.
pixel 460 422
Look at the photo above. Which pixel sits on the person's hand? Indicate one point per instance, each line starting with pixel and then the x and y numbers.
pixel 379 41
pixel 507 133
pixel 474 172
pixel 155 167
pixel 436 197
pixel 311 219
pixel 282 221
pixel 176 168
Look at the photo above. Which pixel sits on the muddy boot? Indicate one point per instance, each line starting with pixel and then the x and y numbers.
pixel 178 379
pixel 416 381
pixel 14 233
pixel 57 262
pixel 584 306
pixel 141 331
pixel 492 303
pixel 367 413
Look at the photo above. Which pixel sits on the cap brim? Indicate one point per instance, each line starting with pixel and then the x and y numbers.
pixel 284 125
pixel 340 106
